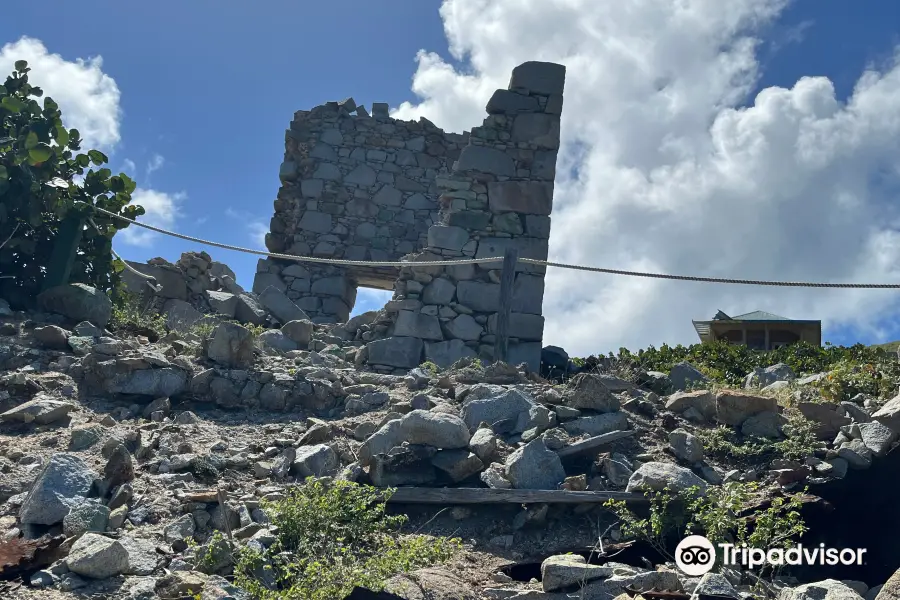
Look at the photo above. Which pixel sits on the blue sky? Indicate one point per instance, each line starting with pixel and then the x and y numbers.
pixel 208 88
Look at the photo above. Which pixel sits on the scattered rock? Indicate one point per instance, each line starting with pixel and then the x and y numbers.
pixel 534 467
pixel 62 485
pixel 657 476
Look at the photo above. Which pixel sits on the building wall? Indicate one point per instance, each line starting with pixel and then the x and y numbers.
pixel 374 188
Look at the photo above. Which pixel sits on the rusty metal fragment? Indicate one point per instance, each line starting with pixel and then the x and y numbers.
pixel 19 555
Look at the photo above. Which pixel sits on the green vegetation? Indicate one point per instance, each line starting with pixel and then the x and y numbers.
pixel 331 537
pixel 724 514
pixel 852 370
pixel 724 442
pixel 40 168
pixel 130 313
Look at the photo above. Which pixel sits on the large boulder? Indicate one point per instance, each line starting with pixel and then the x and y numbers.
pixel 590 392
pixel 762 377
pixel 684 375
pixel 41 411
pixel 703 401
pixel 63 484
pixel 280 306
pixel 439 430
pixel 401 352
pixel 535 467
pixel 77 302
pixel 565 571
pixel 829 589
pixel 657 476
pixel 889 414
pixel 97 556
pixel 597 424
pixel 733 408
pixel 505 410
pixel 828 418
pixel 231 345
pixel 891 588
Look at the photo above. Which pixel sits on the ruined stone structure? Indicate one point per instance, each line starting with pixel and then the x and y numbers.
pixel 363 187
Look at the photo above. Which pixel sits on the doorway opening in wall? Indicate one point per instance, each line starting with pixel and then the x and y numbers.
pixel 370 298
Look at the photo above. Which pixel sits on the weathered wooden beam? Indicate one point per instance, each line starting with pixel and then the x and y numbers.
pixel 592 443
pixel 420 495
pixel 507 279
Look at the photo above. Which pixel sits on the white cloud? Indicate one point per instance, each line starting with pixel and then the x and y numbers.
pixel 669 164
pixel 128 167
pixel 161 211
pixel 155 164
pixel 255 226
pixel 87 97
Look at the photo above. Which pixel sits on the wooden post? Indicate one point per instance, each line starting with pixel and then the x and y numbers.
pixel 507 278
pixel 65 248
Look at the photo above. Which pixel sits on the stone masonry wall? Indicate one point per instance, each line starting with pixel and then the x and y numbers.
pixel 366 187
pixel 357 187
pixel 498 195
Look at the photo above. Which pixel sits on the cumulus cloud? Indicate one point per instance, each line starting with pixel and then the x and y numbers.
pixel 255 227
pixel 672 163
pixel 87 97
pixel 162 211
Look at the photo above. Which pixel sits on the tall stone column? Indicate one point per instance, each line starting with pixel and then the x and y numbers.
pixel 499 194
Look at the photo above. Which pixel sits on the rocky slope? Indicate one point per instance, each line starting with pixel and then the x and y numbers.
pixel 121 457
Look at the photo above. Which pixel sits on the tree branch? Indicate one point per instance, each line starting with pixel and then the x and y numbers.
pixel 15 229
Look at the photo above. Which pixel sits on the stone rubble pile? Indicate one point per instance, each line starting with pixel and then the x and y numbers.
pixel 122 446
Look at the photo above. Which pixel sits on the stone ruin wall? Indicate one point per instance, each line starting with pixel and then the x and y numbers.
pixel 363 187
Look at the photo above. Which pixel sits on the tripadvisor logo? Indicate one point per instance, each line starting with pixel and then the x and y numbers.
pixel 695 555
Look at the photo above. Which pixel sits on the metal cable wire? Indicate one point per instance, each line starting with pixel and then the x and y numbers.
pixel 533 261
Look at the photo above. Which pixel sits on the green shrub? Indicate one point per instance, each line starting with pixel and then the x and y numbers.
pixel 722 515
pixel 39 168
pixel 331 537
pixel 130 312
pixel 799 442
pixel 853 369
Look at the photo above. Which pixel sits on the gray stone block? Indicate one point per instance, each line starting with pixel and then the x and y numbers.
pixel 447 238
pixel 418 325
pixel 222 302
pixel 332 286
pixel 363 175
pixel 529 197
pixel 464 327
pixel 328 172
pixel 444 354
pixel 248 310
pixel 543 78
pixel 419 202
pixel 479 296
pixel 536 248
pixel 332 137
pixel 539 129
pixel 170 278
pixel 537 226
pixel 401 352
pixel 440 291
pixel 288 170
pixel 388 195
pixel 505 102
pixel 317 222
pixel 521 325
pixel 486 160
pixel 280 306
pixel 528 294
pixel 264 280
pixel 312 188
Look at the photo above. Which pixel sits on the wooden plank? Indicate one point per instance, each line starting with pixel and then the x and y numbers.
pixel 592 443
pixel 418 495
pixel 507 278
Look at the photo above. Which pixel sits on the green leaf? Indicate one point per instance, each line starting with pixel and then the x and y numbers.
pixel 4 174
pixel 82 159
pixel 12 104
pixel 21 65
pixel 116 184
pixel 62 136
pixel 40 153
pixel 31 140
pixel 50 104
pixel 130 184
pixel 97 157
pixel 104 174
pixel 36 91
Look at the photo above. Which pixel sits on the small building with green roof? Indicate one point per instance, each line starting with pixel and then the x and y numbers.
pixel 759 330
